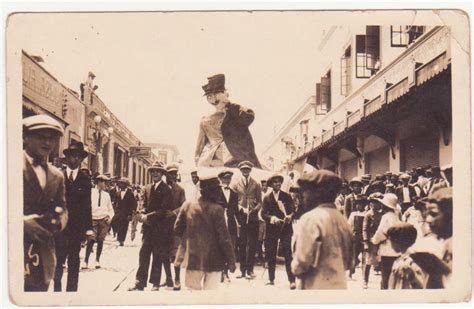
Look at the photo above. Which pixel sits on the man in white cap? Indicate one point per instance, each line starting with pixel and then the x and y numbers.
pixel 44 202
pixel 230 201
pixel 250 203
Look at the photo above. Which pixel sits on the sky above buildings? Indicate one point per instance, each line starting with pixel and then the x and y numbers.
pixel 150 66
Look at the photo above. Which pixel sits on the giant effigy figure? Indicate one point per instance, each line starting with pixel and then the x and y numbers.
pixel 224 138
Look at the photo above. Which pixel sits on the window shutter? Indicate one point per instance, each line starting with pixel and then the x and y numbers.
pixel 345 74
pixel 372 45
pixel 360 44
pixel 325 93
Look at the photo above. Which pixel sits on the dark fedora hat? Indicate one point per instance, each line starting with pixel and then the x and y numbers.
pixel 216 83
pixel 75 147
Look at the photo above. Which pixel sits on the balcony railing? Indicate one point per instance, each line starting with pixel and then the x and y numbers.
pixel 353 118
pixel 427 57
pixel 340 127
pixel 327 135
pixel 372 106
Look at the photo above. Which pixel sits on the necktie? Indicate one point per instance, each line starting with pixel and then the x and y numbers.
pixel 246 182
pixel 98 203
pixel 71 176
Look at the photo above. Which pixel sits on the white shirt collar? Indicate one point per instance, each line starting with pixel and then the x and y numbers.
pixel 28 157
pixel 74 172
pixel 276 194
pixel 156 184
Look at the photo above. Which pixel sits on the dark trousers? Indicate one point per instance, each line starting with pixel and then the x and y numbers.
pixel 248 246
pixel 67 250
pixel 159 260
pixel 405 207
pixel 271 250
pixel 122 228
pixel 144 261
pixel 386 263
pixel 357 248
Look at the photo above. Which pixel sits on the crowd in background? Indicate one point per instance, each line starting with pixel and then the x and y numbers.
pixel 321 226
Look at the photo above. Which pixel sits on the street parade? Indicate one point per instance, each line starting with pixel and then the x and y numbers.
pixel 399 225
pixel 351 191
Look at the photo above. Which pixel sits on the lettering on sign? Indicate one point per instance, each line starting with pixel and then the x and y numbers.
pixel 140 152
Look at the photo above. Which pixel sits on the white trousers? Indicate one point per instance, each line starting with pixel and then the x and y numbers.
pixel 199 280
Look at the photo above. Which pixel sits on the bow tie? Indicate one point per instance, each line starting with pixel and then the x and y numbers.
pixel 226 188
pixel 39 162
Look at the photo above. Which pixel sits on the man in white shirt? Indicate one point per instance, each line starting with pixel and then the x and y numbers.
pixel 102 213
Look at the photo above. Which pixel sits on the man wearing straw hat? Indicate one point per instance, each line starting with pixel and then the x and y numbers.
pixel 387 254
pixel 102 214
pixel 44 202
pixel 178 197
pixel 277 211
pixel 157 204
pixel 126 205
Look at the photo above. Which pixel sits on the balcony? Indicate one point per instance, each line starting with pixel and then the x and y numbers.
pixel 423 60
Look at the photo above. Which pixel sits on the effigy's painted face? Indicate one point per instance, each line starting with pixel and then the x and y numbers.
pixel 211 99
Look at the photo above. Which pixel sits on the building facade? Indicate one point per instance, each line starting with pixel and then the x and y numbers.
pixel 86 119
pixel 43 94
pixel 381 103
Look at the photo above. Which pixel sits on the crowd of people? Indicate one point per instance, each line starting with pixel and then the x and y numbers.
pixel 321 226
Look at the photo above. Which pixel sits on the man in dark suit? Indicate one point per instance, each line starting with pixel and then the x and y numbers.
pixel 126 205
pixel 250 202
pixel 177 199
pixel 44 204
pixel 114 192
pixel 156 218
pixel 235 125
pixel 230 201
pixel 406 193
pixel 78 201
pixel 277 211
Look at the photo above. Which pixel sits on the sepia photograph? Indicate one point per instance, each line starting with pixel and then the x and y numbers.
pixel 238 157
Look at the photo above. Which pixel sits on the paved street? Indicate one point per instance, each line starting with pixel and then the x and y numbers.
pixel 119 266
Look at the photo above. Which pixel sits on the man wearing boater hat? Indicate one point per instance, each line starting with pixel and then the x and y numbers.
pixel 277 211
pixel 224 137
pixel 126 205
pixel 157 211
pixel 178 197
pixel 44 203
pixel 78 201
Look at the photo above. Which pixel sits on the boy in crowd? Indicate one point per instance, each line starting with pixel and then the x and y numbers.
pixel 355 221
